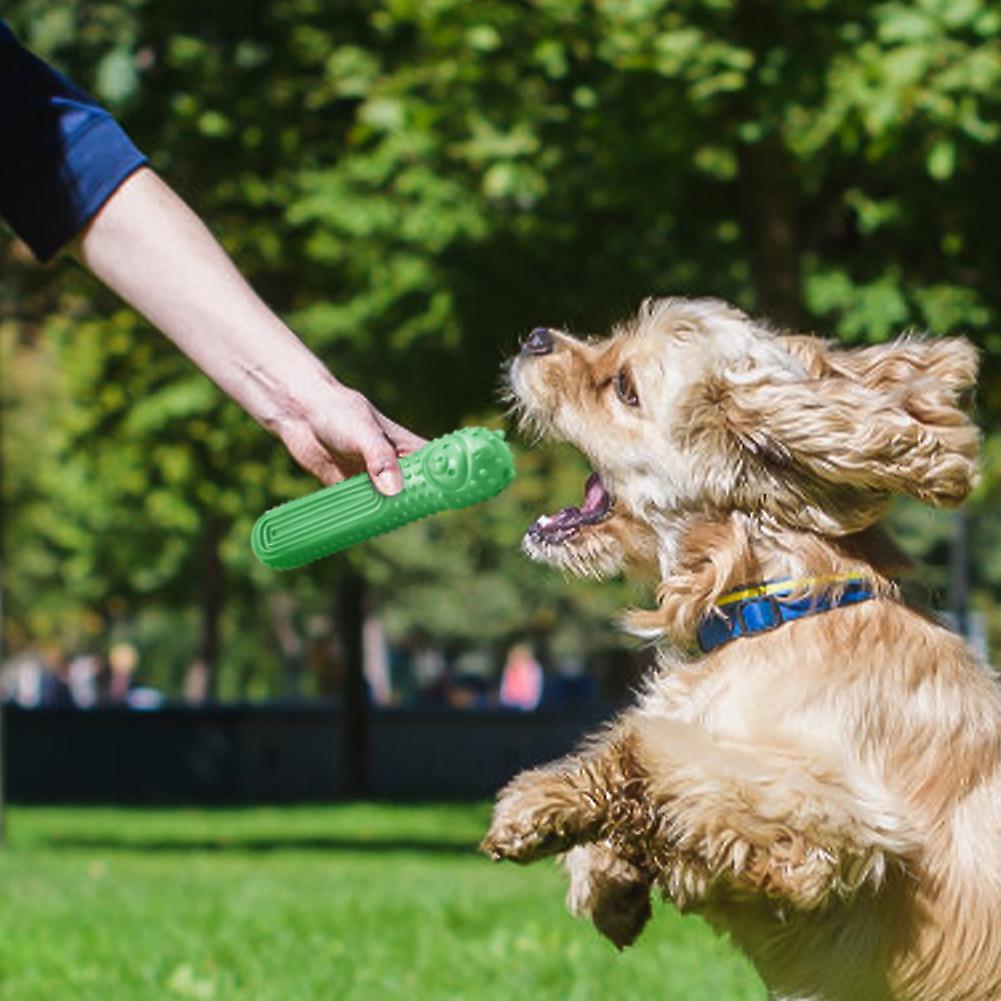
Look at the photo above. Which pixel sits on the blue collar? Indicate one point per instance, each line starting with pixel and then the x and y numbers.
pixel 763 607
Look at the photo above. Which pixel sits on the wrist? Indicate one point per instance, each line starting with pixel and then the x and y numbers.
pixel 284 398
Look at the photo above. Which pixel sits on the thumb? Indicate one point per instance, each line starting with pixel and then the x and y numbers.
pixel 380 459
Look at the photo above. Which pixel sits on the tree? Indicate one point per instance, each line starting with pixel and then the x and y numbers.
pixel 414 184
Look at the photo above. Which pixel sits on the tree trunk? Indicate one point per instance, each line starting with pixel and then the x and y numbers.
pixel 768 205
pixel 3 555
pixel 291 642
pixel 960 566
pixel 769 195
pixel 350 618
pixel 212 599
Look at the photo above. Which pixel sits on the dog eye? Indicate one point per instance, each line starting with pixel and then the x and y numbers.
pixel 625 389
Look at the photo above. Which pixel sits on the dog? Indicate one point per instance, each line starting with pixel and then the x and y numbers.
pixel 814 766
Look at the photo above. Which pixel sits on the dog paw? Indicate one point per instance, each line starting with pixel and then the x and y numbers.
pixel 610 891
pixel 522 843
pixel 543 812
pixel 621 912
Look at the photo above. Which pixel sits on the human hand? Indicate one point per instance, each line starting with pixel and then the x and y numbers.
pixel 148 246
pixel 337 432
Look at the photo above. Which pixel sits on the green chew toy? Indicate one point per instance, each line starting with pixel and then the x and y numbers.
pixel 456 470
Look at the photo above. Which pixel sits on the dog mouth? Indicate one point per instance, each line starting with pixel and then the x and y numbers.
pixel 568 522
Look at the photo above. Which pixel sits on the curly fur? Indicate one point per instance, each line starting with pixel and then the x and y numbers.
pixel 829 793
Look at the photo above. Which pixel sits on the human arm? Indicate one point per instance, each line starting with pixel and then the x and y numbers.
pixel 150 248
pixel 69 172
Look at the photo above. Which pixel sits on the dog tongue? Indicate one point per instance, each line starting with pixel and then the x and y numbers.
pixel 594 507
pixel 595 496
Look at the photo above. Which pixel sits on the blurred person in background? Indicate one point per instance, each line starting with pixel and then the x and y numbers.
pixel 71 179
pixel 571 683
pixel 123 659
pixel 522 679
pixel 22 679
pixel 55 691
pixel 196 683
pixel 84 670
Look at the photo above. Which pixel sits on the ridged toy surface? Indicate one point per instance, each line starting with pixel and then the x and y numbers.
pixel 456 470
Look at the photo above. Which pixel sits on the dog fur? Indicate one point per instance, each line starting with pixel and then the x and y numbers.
pixel 828 794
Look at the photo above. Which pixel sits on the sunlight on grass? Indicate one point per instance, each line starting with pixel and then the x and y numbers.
pixel 346 903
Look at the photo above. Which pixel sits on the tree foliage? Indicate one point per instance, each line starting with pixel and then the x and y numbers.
pixel 415 182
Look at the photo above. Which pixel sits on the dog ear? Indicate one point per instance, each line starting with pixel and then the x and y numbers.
pixel 920 368
pixel 879 420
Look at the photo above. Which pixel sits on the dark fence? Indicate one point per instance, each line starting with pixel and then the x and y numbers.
pixel 274 754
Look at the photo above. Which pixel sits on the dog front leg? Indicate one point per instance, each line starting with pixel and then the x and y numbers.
pixel 544 811
pixel 774 821
pixel 613 893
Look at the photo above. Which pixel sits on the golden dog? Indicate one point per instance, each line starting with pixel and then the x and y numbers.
pixel 826 788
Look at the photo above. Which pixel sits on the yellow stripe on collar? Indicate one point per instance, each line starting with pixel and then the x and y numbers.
pixel 785 586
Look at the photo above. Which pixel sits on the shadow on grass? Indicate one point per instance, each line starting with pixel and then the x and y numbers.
pixel 261 845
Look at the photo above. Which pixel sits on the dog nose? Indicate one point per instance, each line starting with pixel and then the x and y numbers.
pixel 539 342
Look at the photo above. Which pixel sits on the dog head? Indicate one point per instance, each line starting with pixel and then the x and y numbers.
pixel 693 409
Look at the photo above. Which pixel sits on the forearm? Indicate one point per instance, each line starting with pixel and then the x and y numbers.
pixel 151 249
pixel 72 172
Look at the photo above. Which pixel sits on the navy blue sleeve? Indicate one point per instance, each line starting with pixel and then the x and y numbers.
pixel 61 154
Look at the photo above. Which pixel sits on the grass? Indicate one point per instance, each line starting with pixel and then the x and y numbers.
pixel 345 903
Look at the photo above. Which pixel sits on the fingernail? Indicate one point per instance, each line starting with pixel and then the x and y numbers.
pixel 389 482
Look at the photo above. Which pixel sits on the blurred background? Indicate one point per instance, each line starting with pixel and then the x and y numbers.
pixel 414 184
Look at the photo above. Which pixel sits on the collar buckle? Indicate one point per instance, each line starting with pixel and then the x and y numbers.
pixel 759 615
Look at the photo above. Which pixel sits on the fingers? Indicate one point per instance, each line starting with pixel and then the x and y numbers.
pixel 379 454
pixel 344 434
pixel 363 434
pixel 380 441
pixel 404 440
pixel 313 456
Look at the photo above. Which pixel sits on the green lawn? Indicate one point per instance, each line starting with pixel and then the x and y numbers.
pixel 345 903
